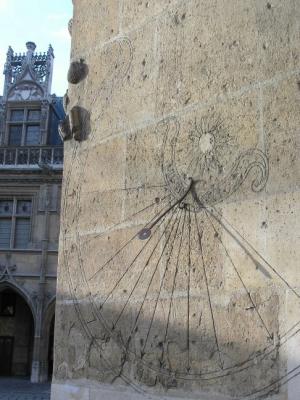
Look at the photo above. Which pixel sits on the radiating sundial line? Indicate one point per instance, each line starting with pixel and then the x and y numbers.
pixel 146 265
pixel 124 246
pixel 194 157
pixel 136 257
pixel 125 189
pixel 153 274
pixel 112 227
pixel 270 336
pixel 188 290
pixel 198 164
pixel 242 241
pixel 175 275
pixel 208 293
pixel 161 283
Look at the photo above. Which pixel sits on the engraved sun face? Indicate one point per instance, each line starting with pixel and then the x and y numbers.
pixel 208 153
pixel 210 145
pixel 206 143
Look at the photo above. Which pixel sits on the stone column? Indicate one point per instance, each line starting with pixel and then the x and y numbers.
pixel 39 363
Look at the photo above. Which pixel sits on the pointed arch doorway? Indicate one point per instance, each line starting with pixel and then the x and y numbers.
pixel 16 333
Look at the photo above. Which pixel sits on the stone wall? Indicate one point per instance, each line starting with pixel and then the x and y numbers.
pixel 179 245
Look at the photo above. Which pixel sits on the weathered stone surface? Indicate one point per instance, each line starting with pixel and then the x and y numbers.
pixel 179 243
pixel 220 44
pixel 137 12
pixel 103 16
pixel 278 48
pixel 281 125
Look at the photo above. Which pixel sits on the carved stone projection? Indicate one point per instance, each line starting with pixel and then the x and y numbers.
pixel 77 71
pixel 179 245
pixel 70 24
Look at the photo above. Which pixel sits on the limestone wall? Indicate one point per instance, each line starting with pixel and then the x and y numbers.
pixel 179 247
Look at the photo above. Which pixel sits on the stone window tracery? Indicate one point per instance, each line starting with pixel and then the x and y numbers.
pixel 15 223
pixel 24 127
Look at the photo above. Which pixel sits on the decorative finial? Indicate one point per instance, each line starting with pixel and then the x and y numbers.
pixel 10 51
pixel 50 50
pixel 31 46
pixel 9 56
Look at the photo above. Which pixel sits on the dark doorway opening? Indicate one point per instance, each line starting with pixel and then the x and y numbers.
pixel 51 349
pixel 16 335
pixel 6 354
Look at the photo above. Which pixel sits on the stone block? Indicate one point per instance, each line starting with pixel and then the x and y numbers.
pixel 280 104
pixel 283 228
pixel 281 126
pixel 278 36
pixel 242 239
pixel 103 167
pixel 125 66
pixel 205 50
pixel 99 211
pixel 144 159
pixel 136 12
pixel 104 15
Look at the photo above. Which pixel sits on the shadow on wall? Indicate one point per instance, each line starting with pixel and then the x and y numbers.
pixel 167 355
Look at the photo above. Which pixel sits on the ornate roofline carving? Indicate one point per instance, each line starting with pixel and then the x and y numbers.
pixel 33 67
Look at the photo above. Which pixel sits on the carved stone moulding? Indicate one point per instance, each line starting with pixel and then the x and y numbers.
pixel 66 101
pixel 74 125
pixel 78 70
pixel 25 91
pixel 64 129
pixel 70 26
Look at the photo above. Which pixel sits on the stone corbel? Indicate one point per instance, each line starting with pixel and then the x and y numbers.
pixel 74 125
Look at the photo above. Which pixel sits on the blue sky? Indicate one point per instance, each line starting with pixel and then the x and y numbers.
pixel 40 21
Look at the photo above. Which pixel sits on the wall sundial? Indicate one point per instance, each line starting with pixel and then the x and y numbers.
pixel 182 297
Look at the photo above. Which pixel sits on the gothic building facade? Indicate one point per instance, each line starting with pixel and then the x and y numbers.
pixel 31 163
